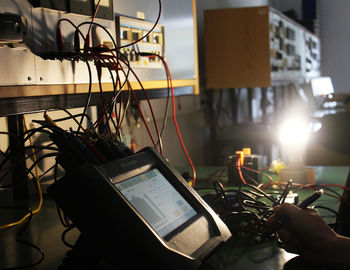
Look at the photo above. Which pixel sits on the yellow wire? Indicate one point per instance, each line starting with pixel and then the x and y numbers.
pixel 23 219
pixel 125 109
pixel 48 119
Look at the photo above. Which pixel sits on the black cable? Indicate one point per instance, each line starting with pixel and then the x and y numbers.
pixel 114 101
pixel 244 208
pixel 6 153
pixel 151 109
pixel 27 133
pixel 105 29
pixel 63 236
pixel 8 148
pixel 219 188
pixel 256 204
pixel 338 195
pixel 117 54
pixel 19 163
pixel 114 44
pixel 46 172
pixel 254 193
pixel 41 147
pixel 165 118
pixel 43 129
pixel 28 171
pixel 246 196
pixel 38 147
pixel 159 142
pixel 63 219
pixel 154 26
pixel 108 108
pixel 264 211
pixel 285 193
pixel 87 103
pixel 261 192
pixel 29 244
pixel 22 161
pixel 9 134
pixel 333 191
pixel 245 200
pixel 67 112
pixel 121 87
pixel 43 122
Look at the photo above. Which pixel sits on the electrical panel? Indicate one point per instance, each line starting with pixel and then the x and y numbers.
pixel 312 48
pixel 131 30
pixel 286 49
pixel 258 47
pixel 295 52
pixel 30 51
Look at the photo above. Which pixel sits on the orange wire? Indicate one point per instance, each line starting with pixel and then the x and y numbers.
pixel 176 125
pixel 175 120
pixel 139 108
pixel 301 186
pixel 259 172
pixel 240 170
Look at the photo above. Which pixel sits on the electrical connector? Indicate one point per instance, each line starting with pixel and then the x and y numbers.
pixel 246 160
pixel 69 156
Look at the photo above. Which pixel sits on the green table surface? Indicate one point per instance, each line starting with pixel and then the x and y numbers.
pixel 237 253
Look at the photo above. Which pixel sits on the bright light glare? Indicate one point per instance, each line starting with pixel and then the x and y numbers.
pixel 322 86
pixel 294 132
pixel 315 127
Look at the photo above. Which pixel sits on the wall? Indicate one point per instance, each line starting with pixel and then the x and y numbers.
pixel 335 38
pixel 190 118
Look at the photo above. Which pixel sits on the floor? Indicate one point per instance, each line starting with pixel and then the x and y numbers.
pixel 44 231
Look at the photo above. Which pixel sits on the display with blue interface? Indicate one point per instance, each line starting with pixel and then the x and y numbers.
pixel 157 201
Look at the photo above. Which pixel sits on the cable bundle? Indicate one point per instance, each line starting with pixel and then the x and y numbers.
pixel 246 208
pixel 117 64
pixel 102 140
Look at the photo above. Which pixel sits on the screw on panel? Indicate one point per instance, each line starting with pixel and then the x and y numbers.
pixel 29 78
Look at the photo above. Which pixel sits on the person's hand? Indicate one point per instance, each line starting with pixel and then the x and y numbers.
pixel 305 233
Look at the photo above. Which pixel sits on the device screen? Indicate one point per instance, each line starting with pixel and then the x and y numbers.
pixel 157 201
